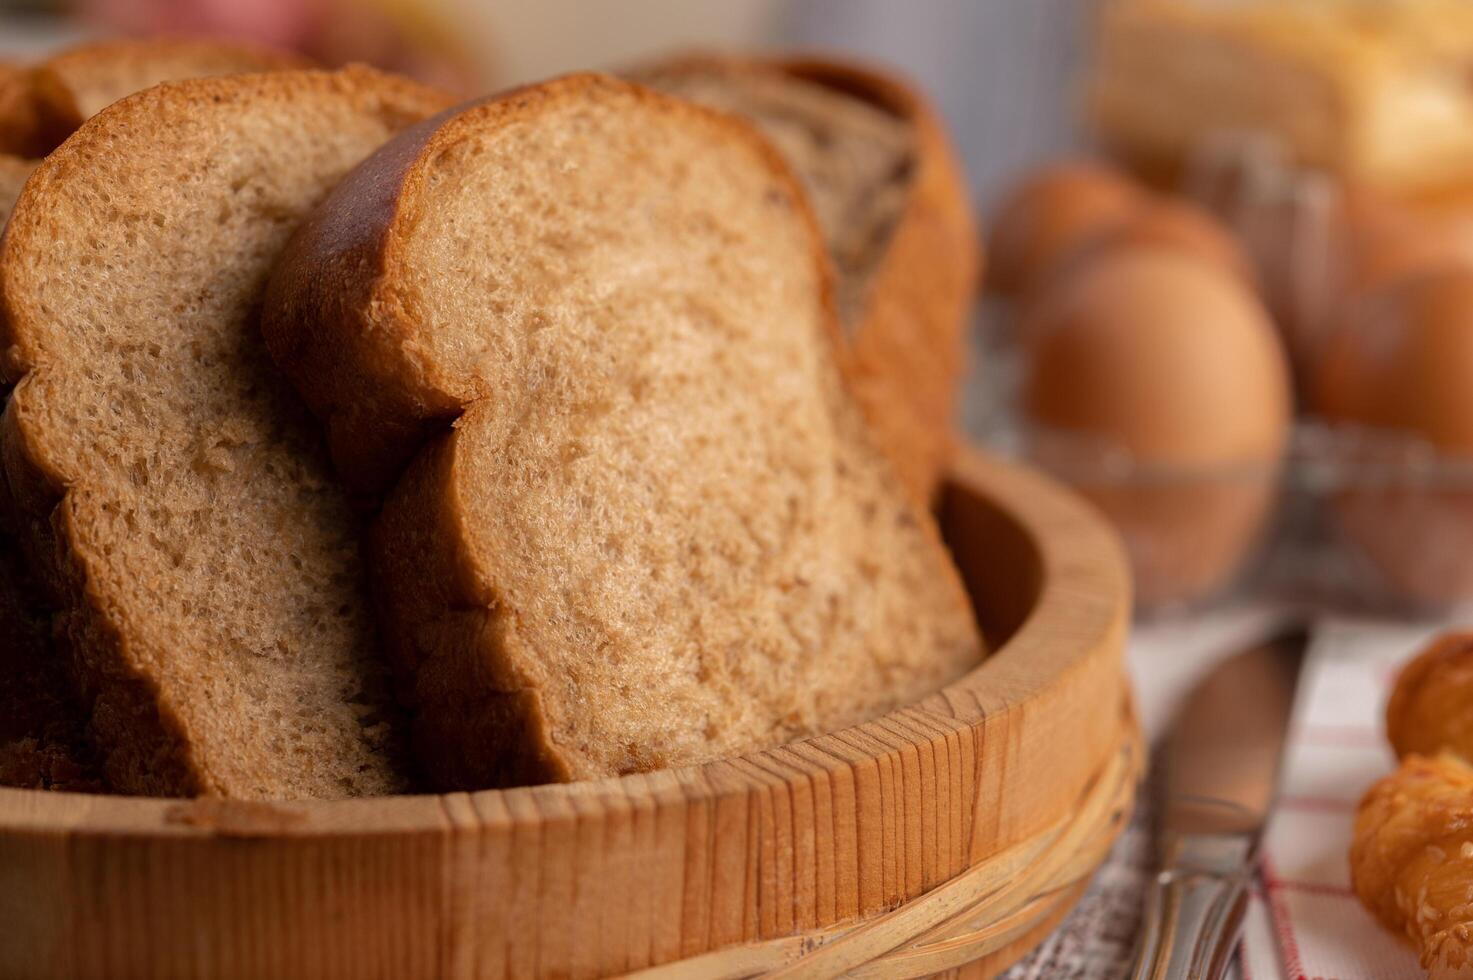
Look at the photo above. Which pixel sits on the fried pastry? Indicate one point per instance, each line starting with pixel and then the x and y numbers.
pixel 1431 706
pixel 1411 859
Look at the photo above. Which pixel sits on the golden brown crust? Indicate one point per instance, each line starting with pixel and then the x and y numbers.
pixel 45 103
pixel 910 350
pixel 1411 858
pixel 908 353
pixel 419 539
pixel 311 324
pixel 334 271
pixel 1429 710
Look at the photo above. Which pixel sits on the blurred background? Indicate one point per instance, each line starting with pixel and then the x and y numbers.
pixel 1000 70
pixel 1228 287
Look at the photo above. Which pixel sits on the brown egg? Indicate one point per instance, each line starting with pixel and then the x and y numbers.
pixel 1164 223
pixel 1168 356
pixel 1169 364
pixel 1049 214
pixel 1386 245
pixel 1399 370
pixel 1403 359
pixel 1321 251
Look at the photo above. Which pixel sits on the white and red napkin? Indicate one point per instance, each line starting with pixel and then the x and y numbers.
pixel 1305 922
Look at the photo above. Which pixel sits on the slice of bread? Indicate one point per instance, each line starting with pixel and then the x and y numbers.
pixel 42 727
pixel 205 564
pixel 45 103
pixel 644 524
pixel 42 743
pixel 892 200
pixel 854 157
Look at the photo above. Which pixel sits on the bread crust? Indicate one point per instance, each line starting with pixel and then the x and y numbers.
pixel 339 326
pixel 431 611
pixel 342 322
pixel 312 327
pixel 41 105
pixel 908 350
pixel 147 744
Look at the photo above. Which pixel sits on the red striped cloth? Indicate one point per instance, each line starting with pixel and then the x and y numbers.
pixel 1307 923
pixel 1303 921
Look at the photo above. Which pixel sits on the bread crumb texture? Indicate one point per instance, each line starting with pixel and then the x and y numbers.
pixel 854 158
pixel 659 533
pixel 206 564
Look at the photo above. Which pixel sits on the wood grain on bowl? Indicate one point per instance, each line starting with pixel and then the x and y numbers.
pixel 960 827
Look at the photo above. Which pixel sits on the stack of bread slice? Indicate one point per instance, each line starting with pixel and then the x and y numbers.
pixel 167 488
pixel 41 741
pixel 642 522
pixel 586 492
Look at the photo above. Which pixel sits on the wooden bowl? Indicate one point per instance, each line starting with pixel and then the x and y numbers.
pixel 959 830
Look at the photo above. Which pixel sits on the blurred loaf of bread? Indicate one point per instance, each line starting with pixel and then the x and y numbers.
pixel 1374 91
pixel 13 174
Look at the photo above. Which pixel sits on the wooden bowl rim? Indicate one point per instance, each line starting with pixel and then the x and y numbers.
pixel 1083 602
